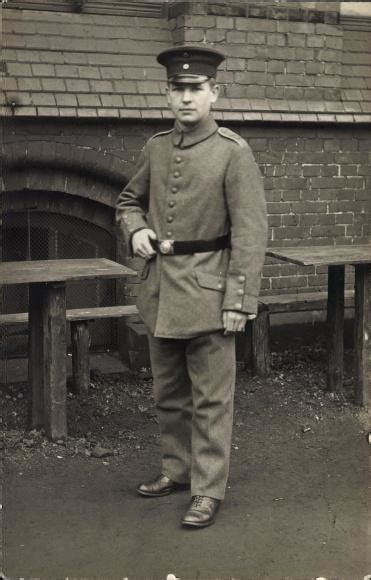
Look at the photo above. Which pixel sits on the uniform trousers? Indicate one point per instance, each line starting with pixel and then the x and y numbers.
pixel 194 382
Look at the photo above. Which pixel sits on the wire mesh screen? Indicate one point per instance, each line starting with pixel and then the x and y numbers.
pixel 36 235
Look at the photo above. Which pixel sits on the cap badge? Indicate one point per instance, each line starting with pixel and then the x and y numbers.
pixel 186 66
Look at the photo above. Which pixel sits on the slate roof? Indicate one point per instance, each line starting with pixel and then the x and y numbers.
pixel 88 65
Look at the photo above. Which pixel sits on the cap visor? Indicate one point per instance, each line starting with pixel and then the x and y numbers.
pixel 188 79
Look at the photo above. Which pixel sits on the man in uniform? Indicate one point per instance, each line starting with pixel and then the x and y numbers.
pixel 195 211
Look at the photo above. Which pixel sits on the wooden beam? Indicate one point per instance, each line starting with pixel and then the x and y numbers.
pixel 335 325
pixel 362 329
pixel 36 353
pixel 54 367
pixel 77 314
pixel 261 352
pixel 80 338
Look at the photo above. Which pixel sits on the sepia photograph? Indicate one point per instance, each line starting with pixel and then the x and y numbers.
pixel 185 290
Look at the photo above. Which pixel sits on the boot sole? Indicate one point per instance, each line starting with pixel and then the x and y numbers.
pixel 197 525
pixel 180 487
pixel 149 494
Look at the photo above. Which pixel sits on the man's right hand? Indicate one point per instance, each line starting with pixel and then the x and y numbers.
pixel 141 243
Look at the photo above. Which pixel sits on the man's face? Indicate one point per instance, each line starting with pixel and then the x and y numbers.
pixel 191 103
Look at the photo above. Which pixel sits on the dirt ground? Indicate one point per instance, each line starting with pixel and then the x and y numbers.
pixel 298 501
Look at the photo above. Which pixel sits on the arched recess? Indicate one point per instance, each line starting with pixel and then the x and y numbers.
pixel 53 214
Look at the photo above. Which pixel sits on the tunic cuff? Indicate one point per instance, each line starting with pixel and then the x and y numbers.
pixel 237 296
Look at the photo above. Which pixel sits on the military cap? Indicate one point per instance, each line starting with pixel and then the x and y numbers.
pixel 190 64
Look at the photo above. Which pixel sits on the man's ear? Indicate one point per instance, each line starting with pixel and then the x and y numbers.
pixel 167 93
pixel 215 91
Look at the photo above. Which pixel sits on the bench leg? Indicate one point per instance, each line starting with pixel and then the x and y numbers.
pixel 47 363
pixel 261 353
pixel 362 342
pixel 335 325
pixel 244 347
pixel 80 338
pixel 36 353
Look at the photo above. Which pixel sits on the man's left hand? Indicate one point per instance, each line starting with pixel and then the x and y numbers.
pixel 234 321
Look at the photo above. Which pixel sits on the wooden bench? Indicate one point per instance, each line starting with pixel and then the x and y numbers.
pixel 280 304
pixel 260 328
pixel 80 335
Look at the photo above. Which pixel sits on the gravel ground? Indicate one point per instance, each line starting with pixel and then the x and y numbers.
pixel 118 414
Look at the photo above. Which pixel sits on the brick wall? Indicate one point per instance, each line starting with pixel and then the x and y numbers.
pixel 83 91
pixel 317 179
pixel 317 183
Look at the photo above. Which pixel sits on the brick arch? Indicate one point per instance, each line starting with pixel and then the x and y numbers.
pixel 60 203
pixel 49 166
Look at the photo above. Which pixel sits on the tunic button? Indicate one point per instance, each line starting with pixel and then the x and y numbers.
pixel 169 234
pixel 238 305
pixel 170 218
pixel 176 173
pixel 178 159
pixel 220 285
pixel 241 278
pixel 240 292
pixel 171 203
pixel 174 190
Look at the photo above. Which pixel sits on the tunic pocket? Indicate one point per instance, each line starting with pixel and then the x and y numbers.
pixel 210 281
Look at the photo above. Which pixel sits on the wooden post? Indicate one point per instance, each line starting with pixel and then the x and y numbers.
pixel 54 334
pixel 335 327
pixel 243 347
pixel 261 354
pixel 80 338
pixel 36 353
pixel 362 329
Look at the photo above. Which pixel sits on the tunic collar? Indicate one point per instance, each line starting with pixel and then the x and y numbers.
pixel 200 132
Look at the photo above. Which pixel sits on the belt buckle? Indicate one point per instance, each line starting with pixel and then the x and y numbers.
pixel 166 247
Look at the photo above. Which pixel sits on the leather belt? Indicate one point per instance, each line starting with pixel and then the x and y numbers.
pixel 176 248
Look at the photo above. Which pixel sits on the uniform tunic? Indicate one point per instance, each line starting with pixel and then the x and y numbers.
pixel 197 185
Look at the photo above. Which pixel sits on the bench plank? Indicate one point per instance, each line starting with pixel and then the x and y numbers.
pixel 16 318
pixel 281 303
pixel 101 312
pixel 77 314
pixel 285 303
pixel 80 341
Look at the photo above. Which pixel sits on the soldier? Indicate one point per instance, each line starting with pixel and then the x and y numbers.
pixel 195 211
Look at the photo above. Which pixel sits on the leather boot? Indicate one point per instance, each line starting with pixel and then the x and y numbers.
pixel 202 512
pixel 160 486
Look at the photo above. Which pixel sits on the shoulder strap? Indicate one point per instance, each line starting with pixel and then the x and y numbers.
pixel 228 134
